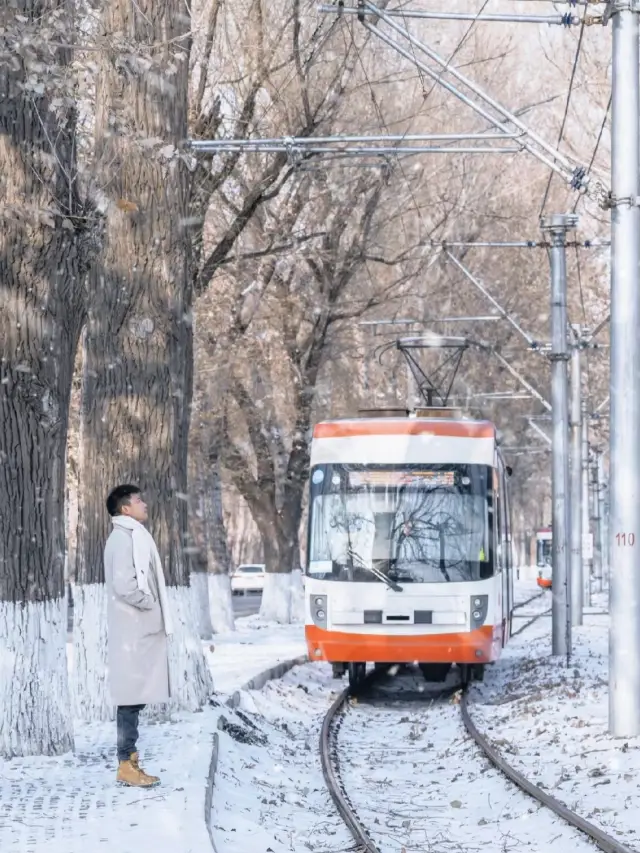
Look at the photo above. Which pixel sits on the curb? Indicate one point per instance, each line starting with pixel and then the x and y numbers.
pixel 256 683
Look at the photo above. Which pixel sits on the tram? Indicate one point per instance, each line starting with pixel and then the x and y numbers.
pixel 544 545
pixel 409 557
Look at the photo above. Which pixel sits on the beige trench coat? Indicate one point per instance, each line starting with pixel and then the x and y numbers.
pixel 136 639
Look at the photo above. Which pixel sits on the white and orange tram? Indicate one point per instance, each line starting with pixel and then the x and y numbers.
pixel 409 547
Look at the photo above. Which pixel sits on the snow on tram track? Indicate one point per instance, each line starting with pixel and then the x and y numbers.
pixel 409 771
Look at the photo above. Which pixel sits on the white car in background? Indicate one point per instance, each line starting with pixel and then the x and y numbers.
pixel 248 578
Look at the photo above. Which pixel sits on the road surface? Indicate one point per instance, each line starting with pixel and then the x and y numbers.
pixel 246 605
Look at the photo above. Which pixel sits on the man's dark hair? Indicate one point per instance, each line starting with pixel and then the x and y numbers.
pixel 119 497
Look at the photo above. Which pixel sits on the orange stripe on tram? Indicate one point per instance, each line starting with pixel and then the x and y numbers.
pixel 354 429
pixel 479 646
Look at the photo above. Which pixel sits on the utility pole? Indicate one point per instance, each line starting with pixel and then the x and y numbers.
pixel 624 536
pixel 556 227
pixel 597 520
pixel 587 538
pixel 576 485
pixel 602 511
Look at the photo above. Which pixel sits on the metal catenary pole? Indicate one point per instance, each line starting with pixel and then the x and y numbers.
pixel 624 536
pixel 602 512
pixel 587 538
pixel 556 227
pixel 597 521
pixel 576 487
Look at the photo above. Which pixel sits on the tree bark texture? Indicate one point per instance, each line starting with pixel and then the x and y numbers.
pixel 43 249
pixel 218 553
pixel 137 378
pixel 138 347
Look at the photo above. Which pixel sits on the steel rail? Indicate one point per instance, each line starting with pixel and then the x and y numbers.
pixel 331 777
pixel 328 748
pixel 601 839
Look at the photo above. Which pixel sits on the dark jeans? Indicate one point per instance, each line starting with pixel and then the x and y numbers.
pixel 127 722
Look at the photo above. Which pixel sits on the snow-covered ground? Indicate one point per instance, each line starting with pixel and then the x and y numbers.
pixel 72 805
pixel 551 722
pixel 419 783
pixel 269 792
pixel 415 766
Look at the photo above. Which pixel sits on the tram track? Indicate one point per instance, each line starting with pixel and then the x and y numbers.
pixel 330 754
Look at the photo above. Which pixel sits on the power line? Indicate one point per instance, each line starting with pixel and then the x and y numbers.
pixel 459 47
pixel 566 108
pixel 597 146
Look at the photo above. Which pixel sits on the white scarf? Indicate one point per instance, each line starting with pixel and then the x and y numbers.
pixel 145 554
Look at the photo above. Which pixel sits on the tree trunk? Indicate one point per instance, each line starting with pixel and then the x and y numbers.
pixel 43 250
pixel 137 379
pixel 282 556
pixel 218 554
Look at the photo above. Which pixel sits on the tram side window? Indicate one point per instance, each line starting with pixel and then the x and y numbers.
pixel 501 529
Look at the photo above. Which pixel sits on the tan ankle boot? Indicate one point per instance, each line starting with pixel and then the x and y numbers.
pixel 130 773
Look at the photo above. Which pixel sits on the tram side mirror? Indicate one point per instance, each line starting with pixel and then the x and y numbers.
pixel 509 470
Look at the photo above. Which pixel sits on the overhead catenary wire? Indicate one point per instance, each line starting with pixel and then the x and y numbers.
pixel 597 146
pixel 566 110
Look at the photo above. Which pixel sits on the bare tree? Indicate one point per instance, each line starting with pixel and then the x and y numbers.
pixel 306 296
pixel 137 372
pixel 46 241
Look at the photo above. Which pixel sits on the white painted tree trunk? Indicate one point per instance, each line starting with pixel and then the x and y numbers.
pixel 191 681
pixel 189 675
pixel 297 597
pixel 35 710
pixel 90 698
pixel 200 587
pixel 221 603
pixel 276 598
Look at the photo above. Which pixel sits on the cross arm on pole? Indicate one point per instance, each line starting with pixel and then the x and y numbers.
pixel 516 374
pixel 484 105
pixel 561 20
pixel 534 426
pixel 503 312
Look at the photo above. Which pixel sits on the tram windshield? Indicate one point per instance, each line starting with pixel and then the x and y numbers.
pixel 544 552
pixel 417 523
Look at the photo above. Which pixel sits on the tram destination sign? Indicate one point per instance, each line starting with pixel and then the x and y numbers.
pixel 396 479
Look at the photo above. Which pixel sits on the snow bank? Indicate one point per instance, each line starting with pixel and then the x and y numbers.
pixel 269 792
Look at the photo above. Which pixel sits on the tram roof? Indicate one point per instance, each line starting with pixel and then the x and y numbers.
pixel 357 427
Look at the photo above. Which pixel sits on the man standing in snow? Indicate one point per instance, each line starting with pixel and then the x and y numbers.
pixel 138 622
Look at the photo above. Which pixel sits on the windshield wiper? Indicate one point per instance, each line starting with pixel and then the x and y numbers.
pixel 380 575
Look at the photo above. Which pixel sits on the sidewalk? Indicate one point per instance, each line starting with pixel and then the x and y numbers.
pixel 72 805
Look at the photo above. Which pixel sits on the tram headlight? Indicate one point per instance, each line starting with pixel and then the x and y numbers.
pixel 318 608
pixel 478 610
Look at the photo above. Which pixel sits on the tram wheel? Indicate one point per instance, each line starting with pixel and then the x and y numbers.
pixel 338 669
pixel 357 672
